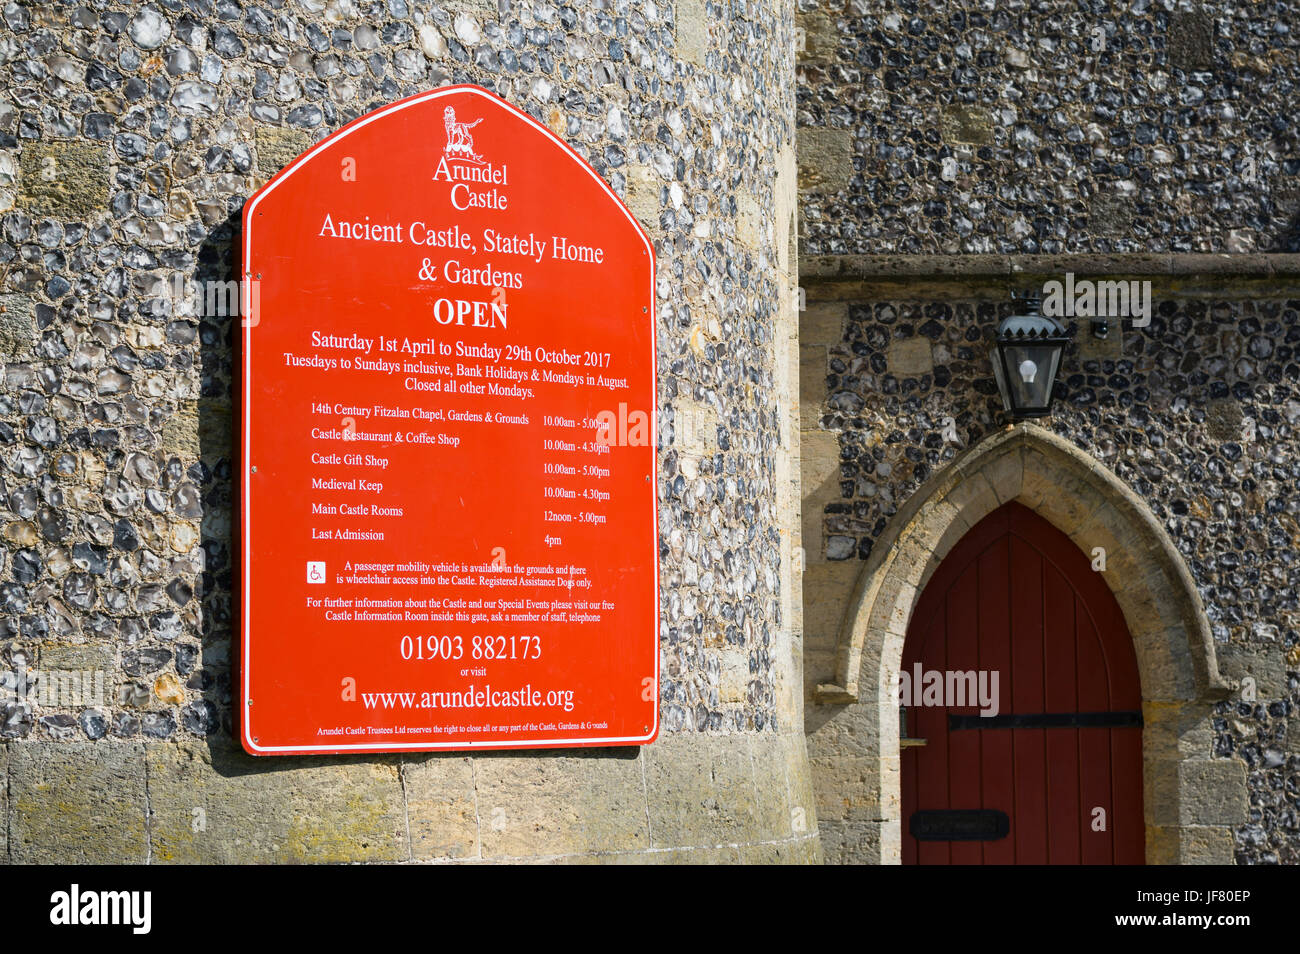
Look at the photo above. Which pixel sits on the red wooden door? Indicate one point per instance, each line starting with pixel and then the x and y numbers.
pixel 1016 597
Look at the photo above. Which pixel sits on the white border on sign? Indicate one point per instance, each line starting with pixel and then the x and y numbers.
pixel 246 495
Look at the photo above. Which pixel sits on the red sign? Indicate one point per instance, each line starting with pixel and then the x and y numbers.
pixel 449 537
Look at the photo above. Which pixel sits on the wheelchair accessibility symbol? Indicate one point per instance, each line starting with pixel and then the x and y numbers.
pixel 315 572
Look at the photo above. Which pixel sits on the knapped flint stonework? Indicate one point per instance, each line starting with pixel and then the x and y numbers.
pixel 1051 128
pixel 130 136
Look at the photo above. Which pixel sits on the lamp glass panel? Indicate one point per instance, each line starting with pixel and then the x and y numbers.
pixel 1028 373
pixel 1001 378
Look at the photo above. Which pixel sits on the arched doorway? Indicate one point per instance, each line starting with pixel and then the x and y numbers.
pixel 854 727
pixel 1022 706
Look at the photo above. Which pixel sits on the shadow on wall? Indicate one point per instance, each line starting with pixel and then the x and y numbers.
pixel 218 262
pixel 1289 240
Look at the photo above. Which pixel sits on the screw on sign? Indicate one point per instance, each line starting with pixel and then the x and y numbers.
pixel 480 559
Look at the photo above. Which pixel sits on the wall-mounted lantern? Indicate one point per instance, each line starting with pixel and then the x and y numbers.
pixel 1026 357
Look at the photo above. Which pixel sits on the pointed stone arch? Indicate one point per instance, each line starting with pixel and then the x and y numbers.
pixel 1175 649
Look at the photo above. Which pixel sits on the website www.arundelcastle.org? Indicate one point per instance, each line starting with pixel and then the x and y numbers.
pixel 472 698
pixel 484 699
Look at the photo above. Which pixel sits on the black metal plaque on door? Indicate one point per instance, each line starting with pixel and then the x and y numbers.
pixel 959 824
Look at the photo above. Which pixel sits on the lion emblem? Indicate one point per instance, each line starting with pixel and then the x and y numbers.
pixel 460 142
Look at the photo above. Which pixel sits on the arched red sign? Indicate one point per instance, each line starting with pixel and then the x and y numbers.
pixel 448 425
